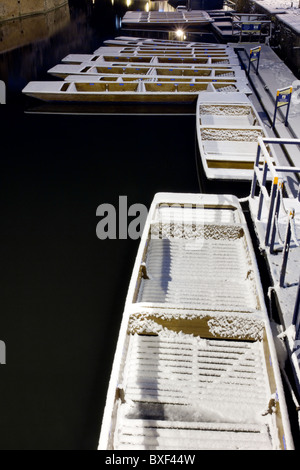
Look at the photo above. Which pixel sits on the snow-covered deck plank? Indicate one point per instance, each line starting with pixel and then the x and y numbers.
pixel 207 381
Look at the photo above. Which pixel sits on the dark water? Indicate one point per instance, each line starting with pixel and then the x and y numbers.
pixel 63 289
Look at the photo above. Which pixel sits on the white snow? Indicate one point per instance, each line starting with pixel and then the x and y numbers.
pixel 224 325
pixel 241 135
pixel 205 393
pixel 287 11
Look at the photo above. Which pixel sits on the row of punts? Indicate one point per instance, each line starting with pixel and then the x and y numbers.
pixel 144 71
pixel 114 74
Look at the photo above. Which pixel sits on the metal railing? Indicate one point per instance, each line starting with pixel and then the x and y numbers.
pixel 273 202
pixel 248 24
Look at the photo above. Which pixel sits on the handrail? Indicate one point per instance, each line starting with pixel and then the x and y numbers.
pixel 274 200
pixel 249 23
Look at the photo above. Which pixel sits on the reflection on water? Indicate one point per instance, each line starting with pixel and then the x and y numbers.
pixel 22 31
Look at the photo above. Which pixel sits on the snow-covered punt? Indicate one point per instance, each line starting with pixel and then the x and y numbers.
pixel 155 42
pixel 166 19
pixel 220 59
pixel 101 89
pixel 195 365
pixel 127 41
pixel 163 72
pixel 227 130
pixel 121 68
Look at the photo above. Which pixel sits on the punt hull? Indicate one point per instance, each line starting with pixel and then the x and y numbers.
pixel 122 92
pixel 158 395
pixel 227 138
pixel 117 98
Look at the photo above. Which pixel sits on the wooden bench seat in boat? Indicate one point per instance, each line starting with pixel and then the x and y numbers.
pixel 226 120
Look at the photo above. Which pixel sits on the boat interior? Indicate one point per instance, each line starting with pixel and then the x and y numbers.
pixel 196 370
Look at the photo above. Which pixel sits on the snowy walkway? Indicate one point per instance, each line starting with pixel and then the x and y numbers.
pixel 274 75
pixel 286 11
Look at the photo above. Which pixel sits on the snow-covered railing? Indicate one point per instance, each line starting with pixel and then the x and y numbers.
pixel 274 202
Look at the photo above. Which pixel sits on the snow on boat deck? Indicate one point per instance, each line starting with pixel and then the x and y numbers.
pixel 194 393
pixel 197 247
pixel 195 370
pixel 227 133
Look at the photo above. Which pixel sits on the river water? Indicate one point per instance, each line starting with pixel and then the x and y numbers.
pixel 62 288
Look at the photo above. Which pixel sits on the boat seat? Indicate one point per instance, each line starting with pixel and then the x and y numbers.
pixel 225 120
pixel 231 158
pixel 229 148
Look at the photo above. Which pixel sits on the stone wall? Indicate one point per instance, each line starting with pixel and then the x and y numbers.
pixel 12 9
pixel 30 28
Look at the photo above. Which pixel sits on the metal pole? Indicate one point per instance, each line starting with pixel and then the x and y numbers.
pixel 275 112
pixel 255 169
pixel 249 65
pixel 286 250
pixel 257 64
pixel 261 197
pixel 296 315
pixel 272 203
pixel 287 112
pixel 276 212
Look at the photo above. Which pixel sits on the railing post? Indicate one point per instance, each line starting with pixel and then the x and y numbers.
pixel 271 210
pixel 286 250
pixel 261 197
pixel 275 214
pixel 254 180
pixel 296 315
